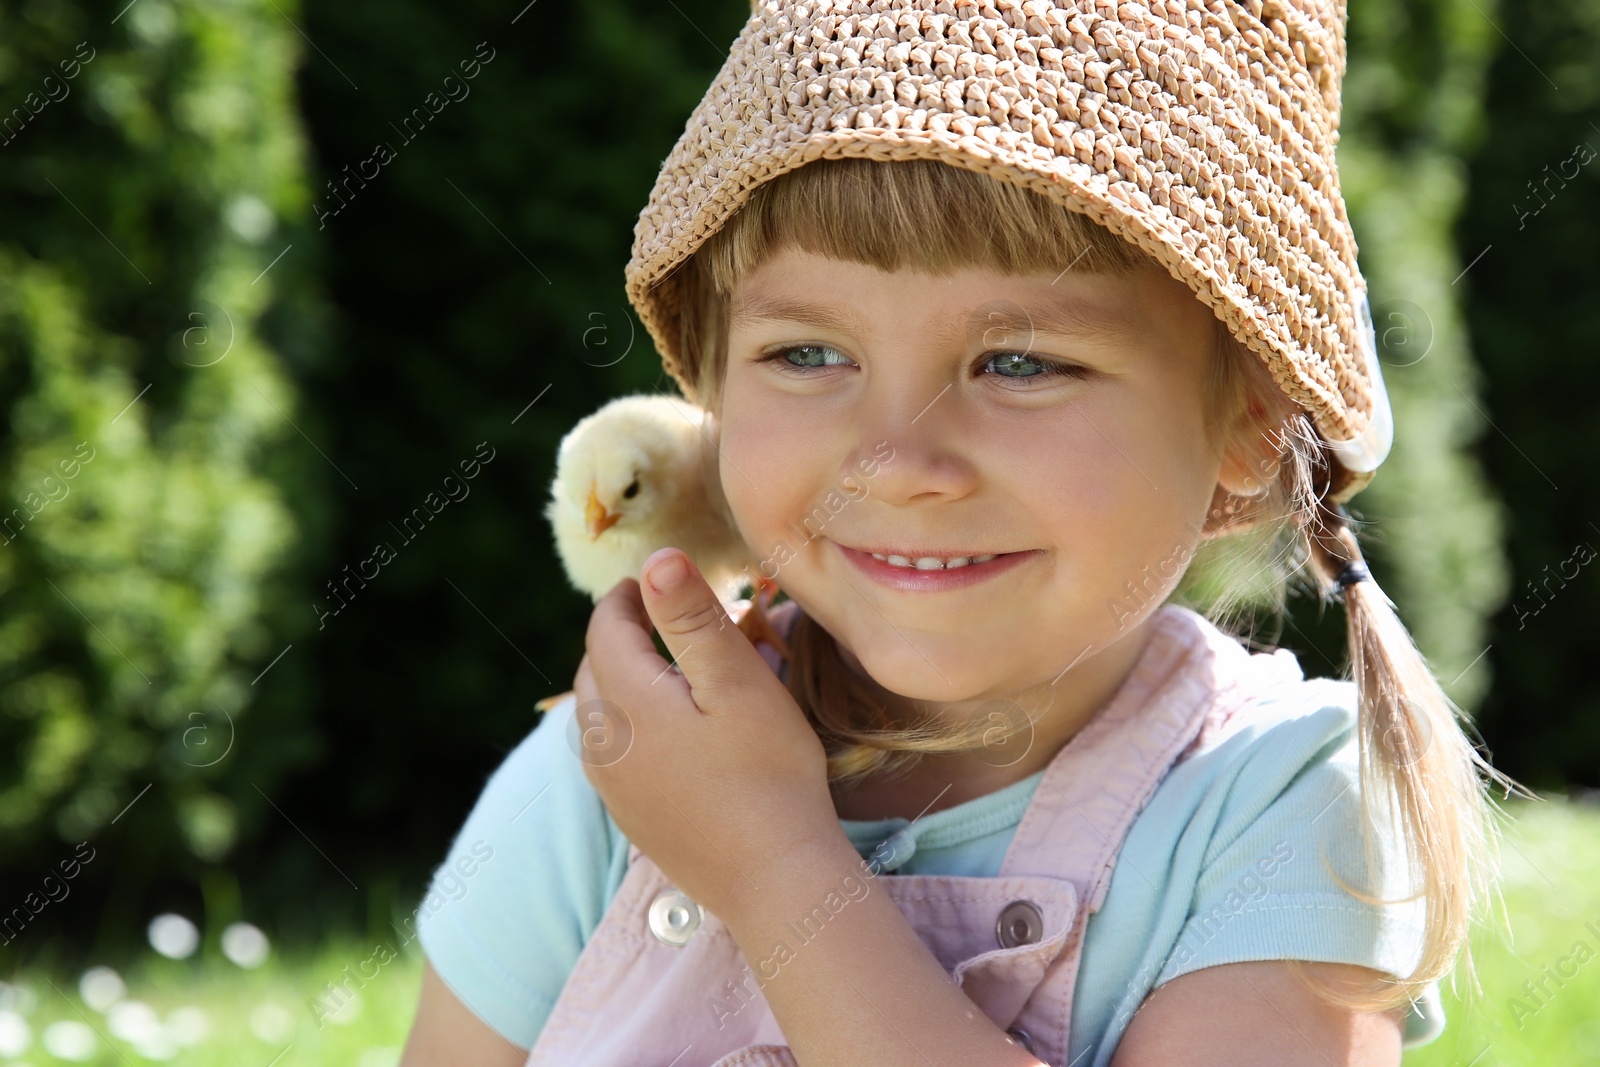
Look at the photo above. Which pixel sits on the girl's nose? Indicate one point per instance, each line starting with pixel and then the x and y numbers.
pixel 915 452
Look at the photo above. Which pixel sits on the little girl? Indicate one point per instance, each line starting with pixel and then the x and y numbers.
pixel 1064 299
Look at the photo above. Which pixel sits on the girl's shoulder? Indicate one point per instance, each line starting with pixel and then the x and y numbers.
pixel 1256 696
pixel 537 822
pixel 1272 743
pixel 1316 710
pixel 1253 752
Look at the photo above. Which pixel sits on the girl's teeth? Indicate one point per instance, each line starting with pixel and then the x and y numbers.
pixel 932 563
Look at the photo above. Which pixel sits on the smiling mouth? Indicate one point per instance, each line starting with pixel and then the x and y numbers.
pixel 930 571
pixel 932 562
pixel 896 553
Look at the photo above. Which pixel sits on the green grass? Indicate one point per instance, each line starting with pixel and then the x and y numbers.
pixel 1551 886
pixel 253 1015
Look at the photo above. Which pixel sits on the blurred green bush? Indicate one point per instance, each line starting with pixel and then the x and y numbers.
pixel 155 490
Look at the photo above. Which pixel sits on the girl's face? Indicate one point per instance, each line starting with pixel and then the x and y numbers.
pixel 1055 420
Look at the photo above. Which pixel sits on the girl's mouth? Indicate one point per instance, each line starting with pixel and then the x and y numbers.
pixel 928 577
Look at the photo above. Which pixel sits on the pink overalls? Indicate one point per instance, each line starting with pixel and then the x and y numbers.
pixel 661 981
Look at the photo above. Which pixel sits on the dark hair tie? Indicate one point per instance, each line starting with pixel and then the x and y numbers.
pixel 1354 571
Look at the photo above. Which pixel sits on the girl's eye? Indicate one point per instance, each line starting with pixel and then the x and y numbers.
pixel 805 352
pixel 1047 368
pixel 1014 366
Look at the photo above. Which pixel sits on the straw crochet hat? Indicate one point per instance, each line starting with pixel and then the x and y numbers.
pixel 1201 131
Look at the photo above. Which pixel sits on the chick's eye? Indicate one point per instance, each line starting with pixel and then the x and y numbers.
pixel 632 490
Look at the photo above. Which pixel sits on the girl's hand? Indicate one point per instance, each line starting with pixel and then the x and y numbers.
pixel 714 773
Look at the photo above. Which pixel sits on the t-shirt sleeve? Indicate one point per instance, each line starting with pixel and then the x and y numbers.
pixel 524 884
pixel 1269 887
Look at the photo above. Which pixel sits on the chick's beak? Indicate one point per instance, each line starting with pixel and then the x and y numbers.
pixel 598 518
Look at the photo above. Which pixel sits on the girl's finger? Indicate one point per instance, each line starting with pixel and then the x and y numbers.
pixel 622 610
pixel 583 686
pixel 718 660
pixel 624 657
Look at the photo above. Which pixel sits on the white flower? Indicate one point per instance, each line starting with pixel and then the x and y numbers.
pixel 245 945
pixel 15 1036
pixel 189 1025
pixel 158 1044
pixel 69 1040
pixel 270 1023
pixel 348 1012
pixel 132 1020
pixel 18 998
pixel 173 936
pixel 101 987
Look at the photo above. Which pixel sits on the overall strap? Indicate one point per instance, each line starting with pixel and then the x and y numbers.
pixel 1104 776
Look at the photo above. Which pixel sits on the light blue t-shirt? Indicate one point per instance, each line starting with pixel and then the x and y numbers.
pixel 1224 865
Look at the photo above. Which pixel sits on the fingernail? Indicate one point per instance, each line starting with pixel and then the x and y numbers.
pixel 668 573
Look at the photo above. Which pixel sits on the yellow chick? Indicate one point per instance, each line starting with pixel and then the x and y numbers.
pixel 638 475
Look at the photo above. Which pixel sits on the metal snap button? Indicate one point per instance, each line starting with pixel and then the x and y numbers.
pixel 1020 924
pixel 673 917
pixel 1022 1038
